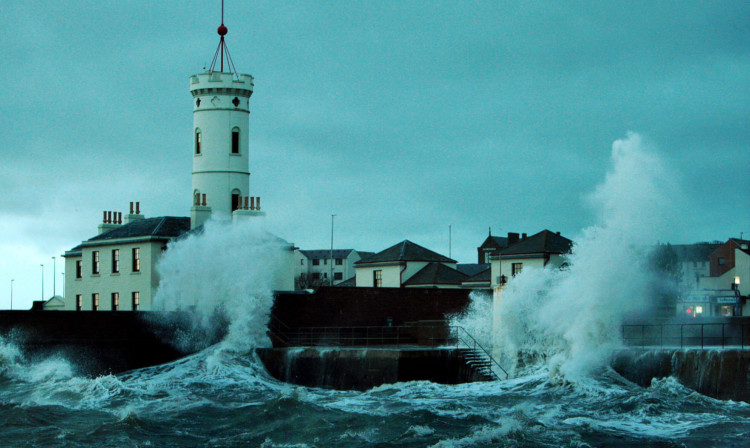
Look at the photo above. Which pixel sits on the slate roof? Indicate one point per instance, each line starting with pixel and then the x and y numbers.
pixel 544 242
pixel 472 269
pixel 320 254
pixel 695 252
pixel 406 251
pixel 436 274
pixel 347 283
pixel 481 277
pixel 163 226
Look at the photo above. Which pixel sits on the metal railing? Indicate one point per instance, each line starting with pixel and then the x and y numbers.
pixel 736 335
pixel 464 337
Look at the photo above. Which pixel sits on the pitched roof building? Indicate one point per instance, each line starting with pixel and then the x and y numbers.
pixel 544 249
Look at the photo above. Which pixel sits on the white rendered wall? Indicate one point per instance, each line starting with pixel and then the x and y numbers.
pixel 391 275
pixel 216 170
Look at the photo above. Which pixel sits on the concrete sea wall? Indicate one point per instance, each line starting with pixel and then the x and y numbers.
pixel 717 373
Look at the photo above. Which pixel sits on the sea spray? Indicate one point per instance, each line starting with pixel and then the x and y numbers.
pixel 226 271
pixel 572 317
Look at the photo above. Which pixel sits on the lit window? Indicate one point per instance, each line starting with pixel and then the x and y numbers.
pixel 79 302
pixel 698 309
pixel 377 278
pixel 136 300
pixel 95 262
pixel 115 261
pixel 235 141
pixel 136 259
pixel 95 302
pixel 197 141
pixel 79 269
pixel 115 301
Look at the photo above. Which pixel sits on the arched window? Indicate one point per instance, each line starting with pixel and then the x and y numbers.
pixel 235 140
pixel 197 141
pixel 236 199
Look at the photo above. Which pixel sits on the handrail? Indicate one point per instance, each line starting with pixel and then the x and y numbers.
pixel 699 334
pixel 477 345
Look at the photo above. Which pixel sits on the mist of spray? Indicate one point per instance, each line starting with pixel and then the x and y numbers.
pixel 573 316
pixel 226 272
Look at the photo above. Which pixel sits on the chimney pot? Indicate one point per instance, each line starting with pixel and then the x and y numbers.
pixel 204 199
pixel 109 217
pixel 523 236
pixel 247 199
pixel 252 203
pixel 131 207
pixel 137 208
pixel 104 218
pixel 119 217
pixel 257 203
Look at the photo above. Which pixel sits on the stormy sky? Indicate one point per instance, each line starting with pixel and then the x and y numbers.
pixel 401 118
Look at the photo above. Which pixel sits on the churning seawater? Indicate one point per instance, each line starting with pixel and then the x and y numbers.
pixel 220 397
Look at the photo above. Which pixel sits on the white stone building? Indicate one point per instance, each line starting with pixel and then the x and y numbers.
pixel 314 268
pixel 544 249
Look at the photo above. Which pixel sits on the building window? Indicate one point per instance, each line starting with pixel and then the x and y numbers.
pixel 136 300
pixel 377 278
pixel 338 276
pixel 316 262
pixel 79 268
pixel 115 261
pixel 339 262
pixel 302 262
pixel 136 259
pixel 79 302
pixel 95 262
pixel 722 261
pixel 197 141
pixel 325 261
pixel 516 268
pixel 95 301
pixel 115 301
pixel 235 141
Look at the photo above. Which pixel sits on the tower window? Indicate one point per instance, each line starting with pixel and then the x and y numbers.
pixel 235 141
pixel 236 102
pixel 79 302
pixel 197 141
pixel 79 268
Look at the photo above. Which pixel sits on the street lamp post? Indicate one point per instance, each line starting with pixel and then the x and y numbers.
pixel 54 277
pixel 42 280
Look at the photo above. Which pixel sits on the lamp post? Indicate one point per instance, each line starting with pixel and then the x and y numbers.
pixel 331 278
pixel 54 277
pixel 63 276
pixel 42 280
pixel 11 293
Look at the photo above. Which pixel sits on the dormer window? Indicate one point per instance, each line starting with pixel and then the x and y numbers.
pixel 235 141
pixel 197 141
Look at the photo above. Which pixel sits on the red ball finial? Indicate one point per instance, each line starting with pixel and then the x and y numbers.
pixel 222 30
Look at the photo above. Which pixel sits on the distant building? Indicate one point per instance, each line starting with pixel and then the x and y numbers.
pixel 695 260
pixel 313 268
pixel 544 249
pixel 724 291
pixel 407 264
pixel 493 245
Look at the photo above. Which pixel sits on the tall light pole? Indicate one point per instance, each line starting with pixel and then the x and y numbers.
pixel 63 276
pixel 54 277
pixel 42 280
pixel 11 293
pixel 331 279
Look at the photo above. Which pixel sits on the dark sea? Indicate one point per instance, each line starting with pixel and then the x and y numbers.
pixel 221 397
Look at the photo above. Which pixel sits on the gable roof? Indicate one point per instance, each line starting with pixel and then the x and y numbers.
pixel 436 274
pixel 544 242
pixel 163 226
pixel 406 251
pixel 480 277
pixel 495 241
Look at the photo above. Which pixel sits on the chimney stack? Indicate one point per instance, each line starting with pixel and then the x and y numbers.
pixel 512 238
pixel 137 208
pixel 257 203
pixel 131 207
pixel 204 200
